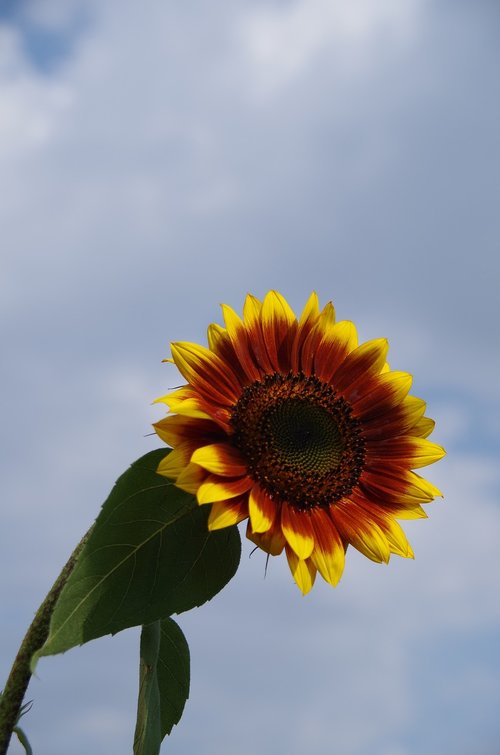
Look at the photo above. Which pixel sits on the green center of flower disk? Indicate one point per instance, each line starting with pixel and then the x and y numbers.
pixel 299 440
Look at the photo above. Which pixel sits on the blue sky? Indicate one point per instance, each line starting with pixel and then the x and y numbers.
pixel 157 160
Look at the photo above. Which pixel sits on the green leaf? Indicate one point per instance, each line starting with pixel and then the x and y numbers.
pixel 150 555
pixel 163 684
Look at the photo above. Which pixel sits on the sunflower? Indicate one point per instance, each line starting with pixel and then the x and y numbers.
pixel 294 426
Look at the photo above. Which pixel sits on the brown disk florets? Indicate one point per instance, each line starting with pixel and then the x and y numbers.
pixel 299 439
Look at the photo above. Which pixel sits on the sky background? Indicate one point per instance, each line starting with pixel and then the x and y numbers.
pixel 157 159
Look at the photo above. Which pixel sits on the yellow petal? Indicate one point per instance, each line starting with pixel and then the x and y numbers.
pixel 303 572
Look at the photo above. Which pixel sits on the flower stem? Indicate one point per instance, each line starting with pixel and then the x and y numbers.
pixel 11 698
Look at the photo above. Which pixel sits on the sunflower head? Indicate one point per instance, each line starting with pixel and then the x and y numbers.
pixel 294 426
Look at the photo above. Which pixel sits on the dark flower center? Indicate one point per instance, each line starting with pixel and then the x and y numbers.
pixel 299 439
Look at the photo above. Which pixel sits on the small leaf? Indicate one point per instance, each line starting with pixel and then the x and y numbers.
pixel 23 740
pixel 173 674
pixel 163 684
pixel 147 737
pixel 149 555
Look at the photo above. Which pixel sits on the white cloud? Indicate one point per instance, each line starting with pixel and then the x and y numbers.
pixel 283 41
pixel 30 105
pixel 54 14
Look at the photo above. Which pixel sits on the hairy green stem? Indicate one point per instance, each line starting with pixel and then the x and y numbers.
pixel 13 693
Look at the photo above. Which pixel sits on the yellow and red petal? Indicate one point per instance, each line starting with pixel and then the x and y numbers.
pixel 189 403
pixel 308 320
pixel 272 541
pixel 252 319
pixel 396 538
pixel 388 390
pixel 217 338
pixel 407 451
pixel 219 343
pixel 176 461
pixel 262 510
pixel 220 459
pixel 395 421
pixel 359 366
pixel 240 343
pixel 206 372
pixel 386 504
pixel 327 316
pixel 414 512
pixel 177 429
pixel 251 311
pixel 384 518
pixel 309 334
pixel 309 349
pixel 303 571
pixel 337 342
pixel 227 513
pixel 398 485
pixel 356 528
pixel 190 478
pixel 423 428
pixel 215 488
pixel 185 401
pixel 329 554
pixel 278 328
pixel 298 531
